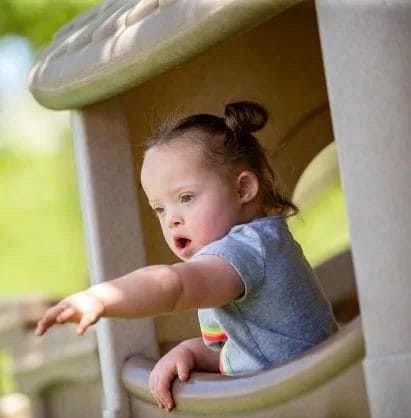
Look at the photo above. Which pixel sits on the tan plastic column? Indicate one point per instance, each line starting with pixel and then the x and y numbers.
pixel 114 237
pixel 367 56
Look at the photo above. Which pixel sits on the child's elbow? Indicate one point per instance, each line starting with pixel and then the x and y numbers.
pixel 171 286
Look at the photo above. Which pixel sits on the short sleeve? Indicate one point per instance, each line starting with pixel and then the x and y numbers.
pixel 242 249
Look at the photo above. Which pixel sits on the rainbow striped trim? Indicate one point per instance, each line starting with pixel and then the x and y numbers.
pixel 213 335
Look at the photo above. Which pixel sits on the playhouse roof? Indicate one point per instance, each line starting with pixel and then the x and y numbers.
pixel 122 43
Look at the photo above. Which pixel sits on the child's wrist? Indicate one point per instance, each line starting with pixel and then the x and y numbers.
pixel 92 293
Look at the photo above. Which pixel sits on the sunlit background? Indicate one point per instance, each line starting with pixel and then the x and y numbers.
pixel 41 241
pixel 42 249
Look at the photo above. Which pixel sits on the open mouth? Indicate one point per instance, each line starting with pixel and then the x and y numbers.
pixel 181 243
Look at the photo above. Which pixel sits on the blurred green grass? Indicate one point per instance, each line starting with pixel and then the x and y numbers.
pixel 41 239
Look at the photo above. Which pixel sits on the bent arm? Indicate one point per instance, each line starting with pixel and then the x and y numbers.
pixel 206 360
pixel 178 363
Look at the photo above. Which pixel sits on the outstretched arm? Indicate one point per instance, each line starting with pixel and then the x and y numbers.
pixel 206 281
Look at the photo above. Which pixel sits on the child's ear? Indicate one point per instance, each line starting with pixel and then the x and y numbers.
pixel 247 186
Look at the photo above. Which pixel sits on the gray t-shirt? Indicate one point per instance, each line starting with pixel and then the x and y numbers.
pixel 283 310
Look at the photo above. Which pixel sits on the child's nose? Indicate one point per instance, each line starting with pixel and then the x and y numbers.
pixel 174 220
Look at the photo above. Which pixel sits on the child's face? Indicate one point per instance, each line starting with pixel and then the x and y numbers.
pixel 194 203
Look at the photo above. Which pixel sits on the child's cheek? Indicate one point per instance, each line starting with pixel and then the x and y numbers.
pixel 167 237
pixel 210 229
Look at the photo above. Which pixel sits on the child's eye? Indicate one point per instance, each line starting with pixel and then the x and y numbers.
pixel 186 198
pixel 158 210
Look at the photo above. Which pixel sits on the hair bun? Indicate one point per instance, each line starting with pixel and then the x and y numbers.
pixel 246 117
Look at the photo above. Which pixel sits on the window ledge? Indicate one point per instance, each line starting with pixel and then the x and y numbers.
pixel 207 393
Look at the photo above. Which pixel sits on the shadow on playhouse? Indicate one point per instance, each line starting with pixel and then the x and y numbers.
pixel 328 70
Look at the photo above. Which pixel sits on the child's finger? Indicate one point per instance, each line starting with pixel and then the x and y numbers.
pixel 40 330
pixel 165 400
pixel 152 390
pixel 183 371
pixel 153 384
pixel 160 389
pixel 86 320
pixel 163 391
pixel 49 319
pixel 159 399
pixel 65 315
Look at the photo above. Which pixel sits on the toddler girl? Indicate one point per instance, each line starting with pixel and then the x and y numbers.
pixel 259 304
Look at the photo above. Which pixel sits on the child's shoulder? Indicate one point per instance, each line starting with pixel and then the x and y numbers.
pixel 262 228
pixel 256 234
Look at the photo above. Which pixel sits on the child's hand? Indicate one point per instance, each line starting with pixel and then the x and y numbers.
pixel 83 308
pixel 176 363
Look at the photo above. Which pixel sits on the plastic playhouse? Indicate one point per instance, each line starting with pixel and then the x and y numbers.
pixel 327 70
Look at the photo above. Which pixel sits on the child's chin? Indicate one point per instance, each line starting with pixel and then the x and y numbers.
pixel 180 255
pixel 184 255
pixel 182 258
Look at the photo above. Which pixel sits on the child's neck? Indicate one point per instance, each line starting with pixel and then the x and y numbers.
pixel 251 212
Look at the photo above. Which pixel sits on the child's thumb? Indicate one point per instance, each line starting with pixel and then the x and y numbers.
pixel 87 319
pixel 183 372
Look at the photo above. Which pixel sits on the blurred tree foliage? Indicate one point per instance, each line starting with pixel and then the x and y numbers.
pixel 37 20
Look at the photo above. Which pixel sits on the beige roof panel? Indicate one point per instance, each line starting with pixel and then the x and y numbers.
pixel 122 43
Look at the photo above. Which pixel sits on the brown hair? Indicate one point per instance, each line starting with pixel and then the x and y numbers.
pixel 228 143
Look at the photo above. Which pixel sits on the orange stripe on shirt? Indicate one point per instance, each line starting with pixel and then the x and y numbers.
pixel 214 336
